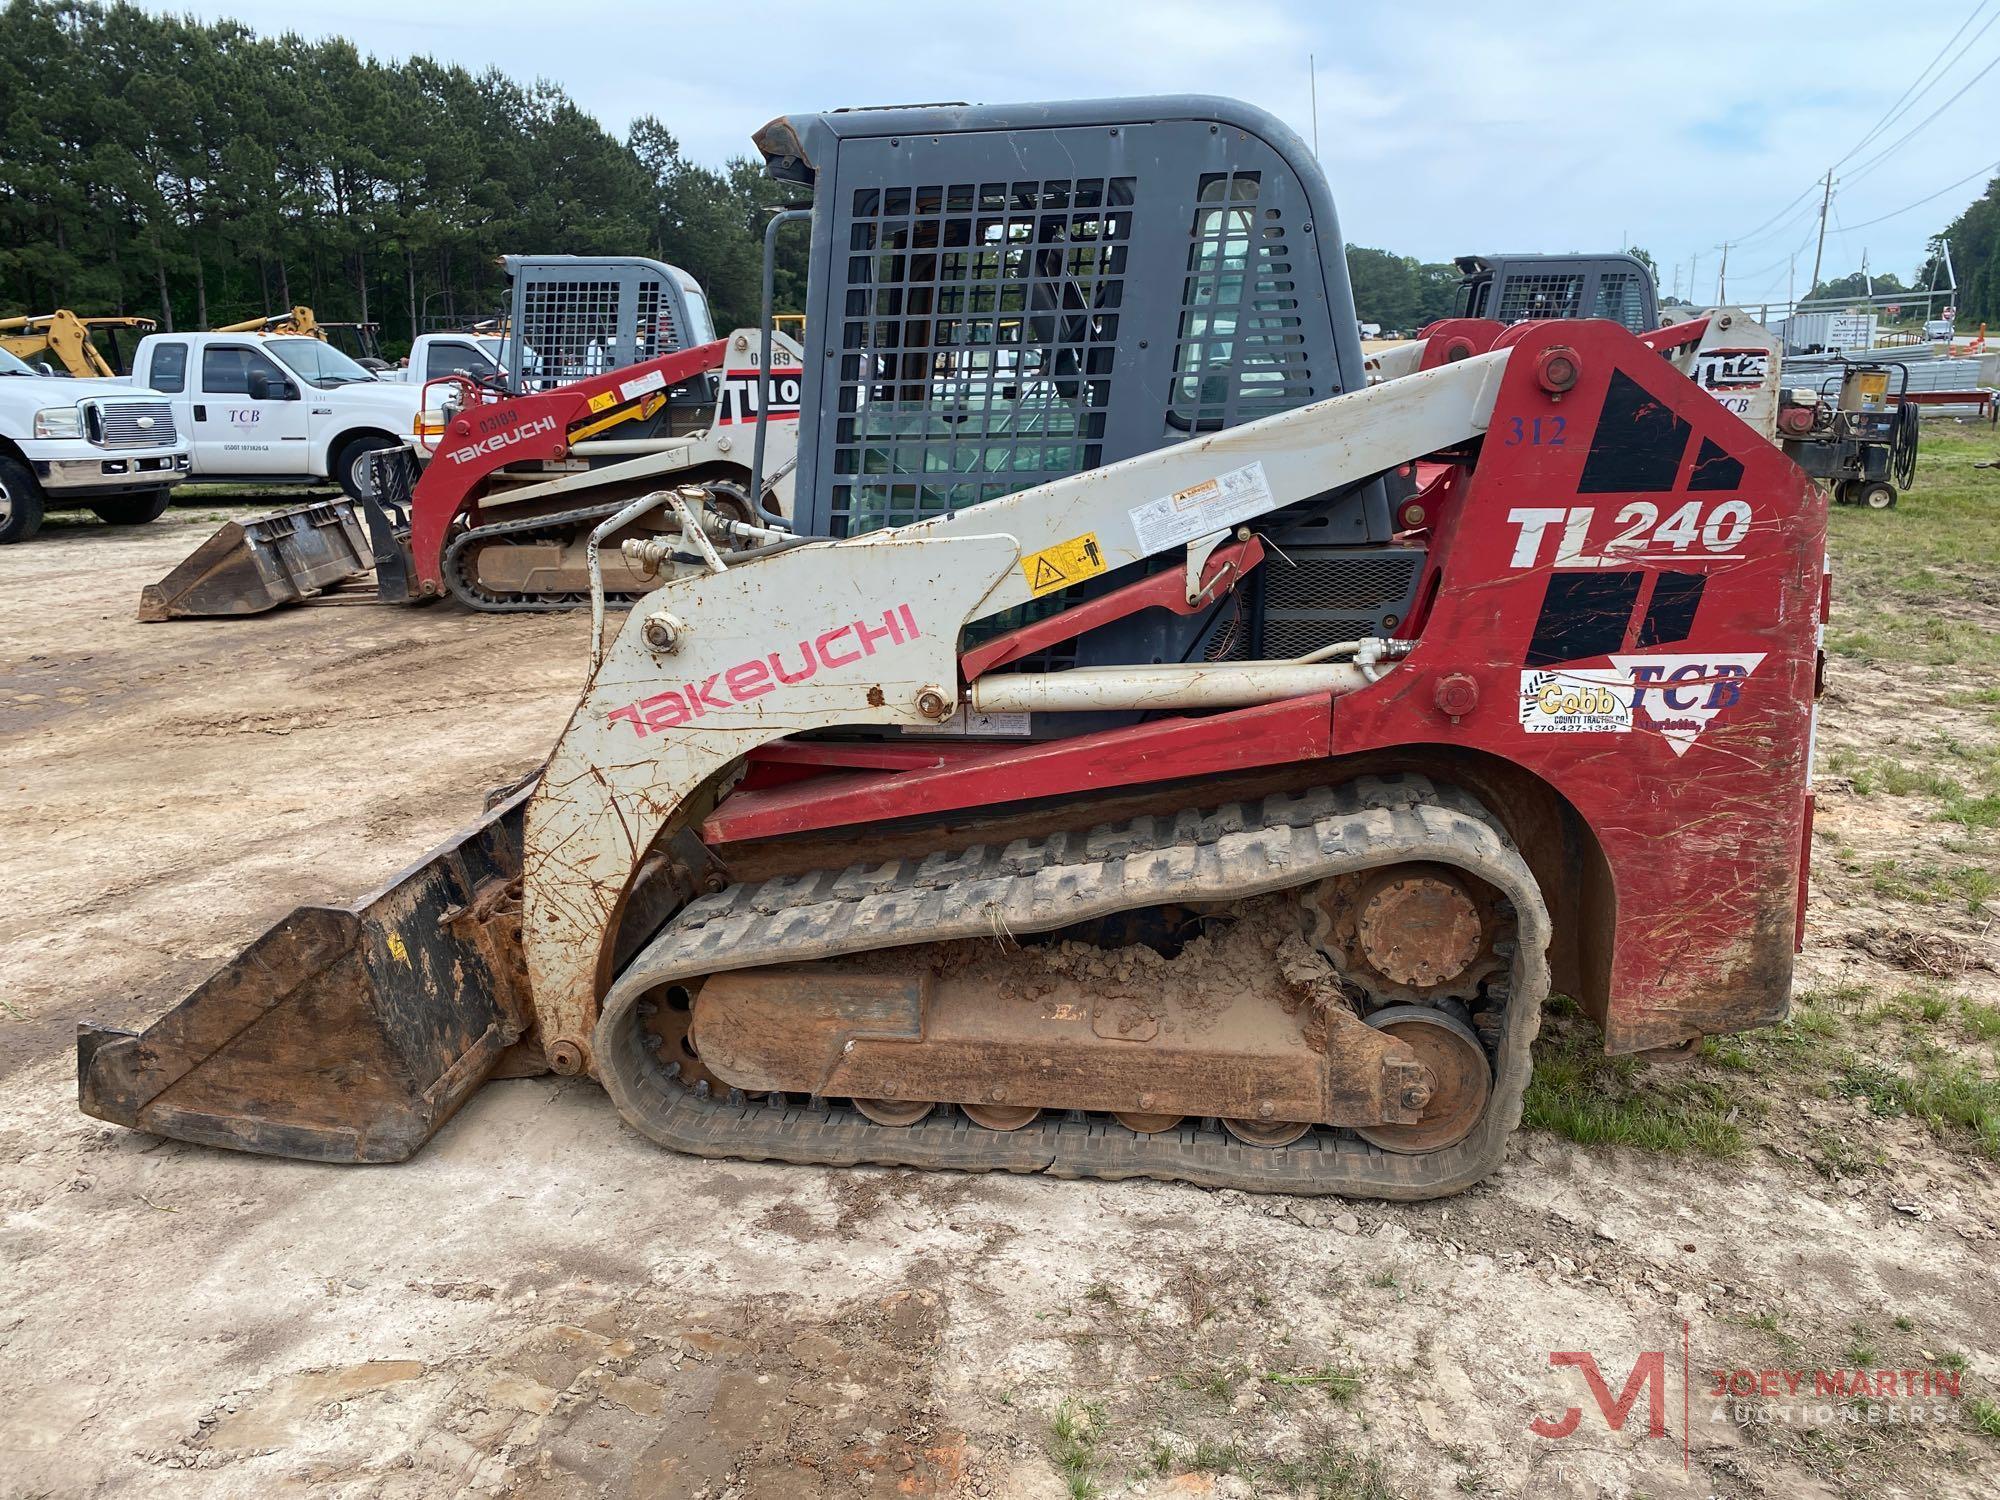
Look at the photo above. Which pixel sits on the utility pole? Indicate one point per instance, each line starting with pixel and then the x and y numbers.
pixel 1722 278
pixel 1825 202
pixel 1791 274
pixel 1867 281
pixel 1694 269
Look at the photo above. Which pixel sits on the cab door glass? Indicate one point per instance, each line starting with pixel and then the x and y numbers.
pixel 457 359
pixel 225 370
pixel 169 368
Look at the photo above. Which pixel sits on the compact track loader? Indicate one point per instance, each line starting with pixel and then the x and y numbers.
pixel 1166 749
pixel 499 513
pixel 616 385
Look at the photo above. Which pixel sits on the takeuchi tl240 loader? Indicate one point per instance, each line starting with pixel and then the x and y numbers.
pixel 1160 751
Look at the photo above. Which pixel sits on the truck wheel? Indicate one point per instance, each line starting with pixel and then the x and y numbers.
pixel 1878 496
pixel 352 468
pixel 133 510
pixel 20 502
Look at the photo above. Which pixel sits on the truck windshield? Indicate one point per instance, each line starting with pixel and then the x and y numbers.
pixel 9 365
pixel 317 363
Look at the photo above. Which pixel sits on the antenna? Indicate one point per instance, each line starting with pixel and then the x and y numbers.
pixel 1312 82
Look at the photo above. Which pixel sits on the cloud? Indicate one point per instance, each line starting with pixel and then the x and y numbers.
pixel 1443 127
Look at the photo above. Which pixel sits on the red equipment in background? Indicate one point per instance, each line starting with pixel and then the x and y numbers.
pixel 505 429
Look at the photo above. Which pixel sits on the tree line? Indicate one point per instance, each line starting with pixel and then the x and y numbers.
pixel 1975 255
pixel 200 174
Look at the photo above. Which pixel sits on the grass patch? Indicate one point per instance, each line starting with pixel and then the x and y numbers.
pixel 1981 1022
pixel 1332 1472
pixel 1912 1007
pixel 1339 1384
pixel 1217 1382
pixel 1860 1347
pixel 1074 1433
pixel 1579 1093
pixel 1985 1416
pixel 1943 1092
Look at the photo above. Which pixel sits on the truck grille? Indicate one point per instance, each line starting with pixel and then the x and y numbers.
pixel 118 424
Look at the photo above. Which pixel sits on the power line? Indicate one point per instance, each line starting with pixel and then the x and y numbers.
pixel 1901 106
pixel 1909 98
pixel 1806 209
pixel 1890 150
pixel 1968 177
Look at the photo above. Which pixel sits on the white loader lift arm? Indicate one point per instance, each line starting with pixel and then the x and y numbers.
pixel 866 632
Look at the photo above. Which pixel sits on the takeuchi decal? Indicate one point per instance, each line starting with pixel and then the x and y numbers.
pixel 493 444
pixel 719 692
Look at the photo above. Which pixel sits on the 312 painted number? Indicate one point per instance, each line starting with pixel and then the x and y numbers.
pixel 1538 432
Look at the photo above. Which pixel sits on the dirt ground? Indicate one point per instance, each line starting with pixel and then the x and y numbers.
pixel 543 1304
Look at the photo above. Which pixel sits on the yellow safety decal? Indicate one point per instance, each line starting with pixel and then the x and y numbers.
pixel 603 401
pixel 1063 564
pixel 397 949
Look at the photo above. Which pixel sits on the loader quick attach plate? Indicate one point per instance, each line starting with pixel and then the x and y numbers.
pixel 252 566
pixel 1039 885
pixel 344 1034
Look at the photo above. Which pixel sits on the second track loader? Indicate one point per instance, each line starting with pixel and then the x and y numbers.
pixel 494 499
pixel 1162 752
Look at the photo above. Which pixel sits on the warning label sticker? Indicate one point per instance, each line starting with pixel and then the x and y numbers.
pixel 633 389
pixel 974 725
pixel 603 401
pixel 1202 509
pixel 1063 564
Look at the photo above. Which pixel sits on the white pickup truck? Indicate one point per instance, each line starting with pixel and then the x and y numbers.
pixel 261 408
pixel 436 355
pixel 104 444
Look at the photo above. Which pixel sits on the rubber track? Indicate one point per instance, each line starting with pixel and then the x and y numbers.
pixel 458 557
pixel 1231 852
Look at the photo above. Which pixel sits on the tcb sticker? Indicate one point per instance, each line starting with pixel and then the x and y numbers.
pixel 1677 696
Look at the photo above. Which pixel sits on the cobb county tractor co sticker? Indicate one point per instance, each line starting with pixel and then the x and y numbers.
pixel 1676 696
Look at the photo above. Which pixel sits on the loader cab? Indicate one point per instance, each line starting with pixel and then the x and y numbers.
pixel 1523 288
pixel 584 315
pixel 1003 295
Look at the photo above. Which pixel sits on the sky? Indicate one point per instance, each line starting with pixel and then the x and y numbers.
pixel 1443 128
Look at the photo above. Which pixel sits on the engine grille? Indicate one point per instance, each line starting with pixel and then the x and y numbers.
pixel 1314 596
pixel 118 424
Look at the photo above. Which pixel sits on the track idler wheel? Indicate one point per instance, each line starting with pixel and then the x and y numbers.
pixel 1000 1116
pixel 1142 1122
pixel 1462 1080
pixel 894 1111
pixel 1269 1134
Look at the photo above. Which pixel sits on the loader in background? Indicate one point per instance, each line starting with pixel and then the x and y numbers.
pixel 64 343
pixel 1132 768
pixel 360 342
pixel 599 398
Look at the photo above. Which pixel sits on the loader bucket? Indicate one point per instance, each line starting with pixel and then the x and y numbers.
pixel 250 566
pixel 343 1034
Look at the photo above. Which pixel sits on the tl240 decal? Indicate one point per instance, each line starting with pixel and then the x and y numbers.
pixel 1694 531
pixel 1677 696
pixel 752 678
